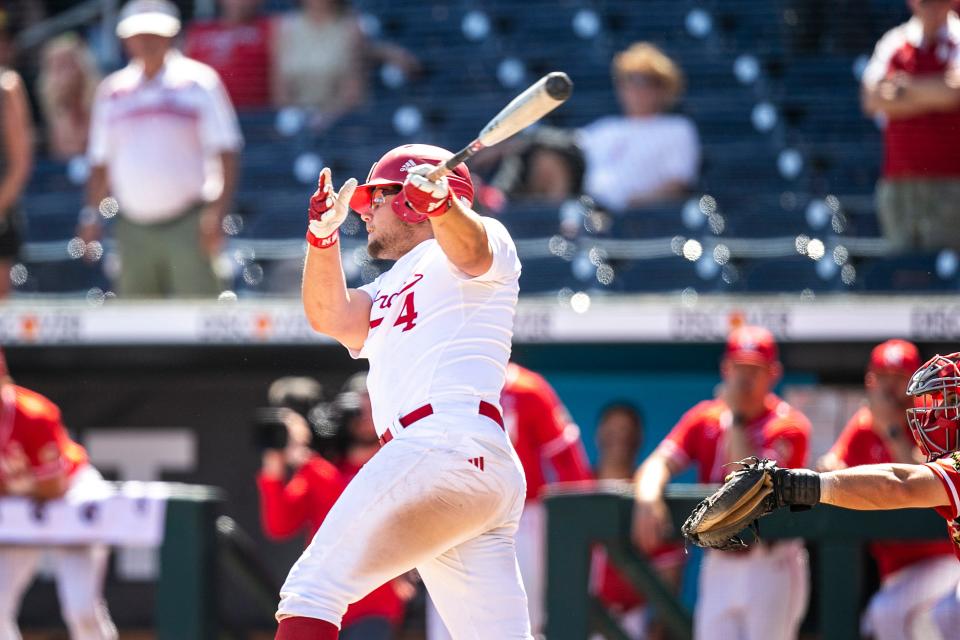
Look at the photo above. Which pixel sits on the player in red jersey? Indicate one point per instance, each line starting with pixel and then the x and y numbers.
pixel 38 460
pixel 747 420
pixel 547 441
pixel 914 575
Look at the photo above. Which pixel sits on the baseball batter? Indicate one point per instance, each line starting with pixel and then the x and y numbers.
pixel 913 575
pixel 445 493
pixel 40 461
pixel 547 441
pixel 760 594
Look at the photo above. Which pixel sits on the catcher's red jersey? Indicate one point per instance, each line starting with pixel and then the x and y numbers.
pixel 781 434
pixel 859 444
pixel 33 438
pixel 541 430
pixel 947 469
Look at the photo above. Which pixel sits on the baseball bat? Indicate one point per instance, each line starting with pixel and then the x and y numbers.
pixel 539 99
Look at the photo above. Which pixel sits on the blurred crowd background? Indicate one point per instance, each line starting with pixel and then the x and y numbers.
pixel 708 147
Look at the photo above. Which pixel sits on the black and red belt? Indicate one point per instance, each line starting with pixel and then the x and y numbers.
pixel 485 409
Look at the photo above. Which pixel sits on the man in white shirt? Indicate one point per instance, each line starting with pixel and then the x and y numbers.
pixel 445 493
pixel 164 141
pixel 646 155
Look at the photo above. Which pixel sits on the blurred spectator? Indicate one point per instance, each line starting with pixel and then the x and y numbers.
pixel 913 82
pixel 321 59
pixel 301 504
pixel 913 575
pixel 65 87
pixel 318 62
pixel 39 461
pixel 748 419
pixel 619 436
pixel 164 142
pixel 237 46
pixel 547 441
pixel 646 155
pixel 547 167
pixel 16 160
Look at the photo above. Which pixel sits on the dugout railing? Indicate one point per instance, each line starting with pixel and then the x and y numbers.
pixel 579 521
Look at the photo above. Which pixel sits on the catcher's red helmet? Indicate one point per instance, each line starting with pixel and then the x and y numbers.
pixel 935 420
pixel 391 170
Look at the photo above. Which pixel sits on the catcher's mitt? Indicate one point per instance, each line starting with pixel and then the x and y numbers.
pixel 746 495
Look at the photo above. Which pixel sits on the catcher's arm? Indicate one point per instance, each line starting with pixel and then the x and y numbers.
pixel 883 486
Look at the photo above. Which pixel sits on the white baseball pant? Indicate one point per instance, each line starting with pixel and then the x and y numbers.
pixel 903 607
pixel 79 572
pixel 425 501
pixel 531 538
pixel 760 594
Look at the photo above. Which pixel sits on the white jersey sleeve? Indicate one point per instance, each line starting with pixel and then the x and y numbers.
pixel 506 262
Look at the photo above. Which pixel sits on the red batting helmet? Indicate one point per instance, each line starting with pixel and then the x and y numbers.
pixel 391 171
pixel 935 420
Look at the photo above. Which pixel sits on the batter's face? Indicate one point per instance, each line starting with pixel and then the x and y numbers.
pixel 388 237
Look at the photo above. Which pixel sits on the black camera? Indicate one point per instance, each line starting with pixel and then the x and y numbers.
pixel 269 428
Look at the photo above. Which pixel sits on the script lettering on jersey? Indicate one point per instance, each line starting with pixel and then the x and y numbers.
pixel 408 313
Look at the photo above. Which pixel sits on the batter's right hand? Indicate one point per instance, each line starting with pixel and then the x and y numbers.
pixel 651 524
pixel 328 210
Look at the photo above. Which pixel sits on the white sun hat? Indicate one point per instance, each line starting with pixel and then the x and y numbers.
pixel 156 17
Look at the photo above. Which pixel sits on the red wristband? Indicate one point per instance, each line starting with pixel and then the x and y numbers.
pixel 323 243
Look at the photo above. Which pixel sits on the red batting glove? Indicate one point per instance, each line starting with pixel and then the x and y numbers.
pixel 328 210
pixel 427 197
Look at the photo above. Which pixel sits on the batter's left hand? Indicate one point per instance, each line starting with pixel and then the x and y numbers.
pixel 425 196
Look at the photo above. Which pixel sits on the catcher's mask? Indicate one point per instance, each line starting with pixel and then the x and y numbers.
pixel 390 171
pixel 935 419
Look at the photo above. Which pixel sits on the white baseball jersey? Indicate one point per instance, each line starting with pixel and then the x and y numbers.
pixel 445 496
pixel 438 335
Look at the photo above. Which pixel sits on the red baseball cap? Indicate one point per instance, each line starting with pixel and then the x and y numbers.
pixel 895 356
pixel 751 345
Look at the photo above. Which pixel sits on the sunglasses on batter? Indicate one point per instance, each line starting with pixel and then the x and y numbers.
pixel 379 196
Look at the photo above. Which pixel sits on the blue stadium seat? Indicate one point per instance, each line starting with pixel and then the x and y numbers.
pixel 903 274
